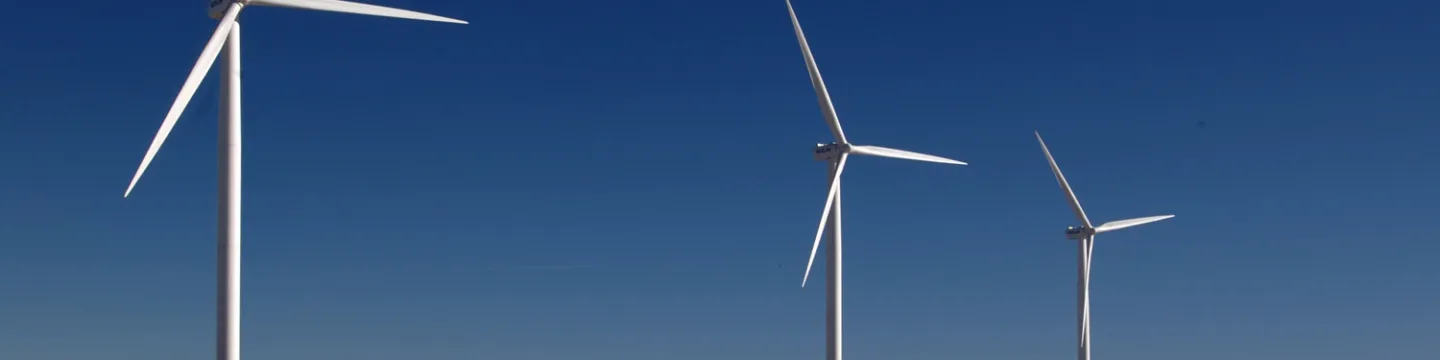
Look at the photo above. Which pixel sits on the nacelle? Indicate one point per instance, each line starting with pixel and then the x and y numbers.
pixel 829 152
pixel 1077 233
pixel 217 8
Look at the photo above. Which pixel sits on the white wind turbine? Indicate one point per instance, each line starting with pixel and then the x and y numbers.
pixel 1085 234
pixel 228 34
pixel 836 154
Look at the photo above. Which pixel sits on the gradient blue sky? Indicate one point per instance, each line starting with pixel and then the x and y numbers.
pixel 632 180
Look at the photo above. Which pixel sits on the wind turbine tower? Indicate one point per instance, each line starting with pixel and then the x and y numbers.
pixel 1084 235
pixel 835 154
pixel 227 34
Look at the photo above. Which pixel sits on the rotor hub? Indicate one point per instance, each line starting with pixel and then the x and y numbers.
pixel 218 7
pixel 1078 232
pixel 831 151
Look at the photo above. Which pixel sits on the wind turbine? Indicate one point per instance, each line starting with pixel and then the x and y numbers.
pixel 1085 234
pixel 836 154
pixel 228 34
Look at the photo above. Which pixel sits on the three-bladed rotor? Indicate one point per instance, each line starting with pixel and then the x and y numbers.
pixel 838 152
pixel 227 11
pixel 1086 230
pixel 1086 235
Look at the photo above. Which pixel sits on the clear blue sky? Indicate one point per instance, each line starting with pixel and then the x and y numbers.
pixel 632 180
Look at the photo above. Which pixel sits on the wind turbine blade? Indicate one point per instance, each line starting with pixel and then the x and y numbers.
pixel 824 216
pixel 197 74
pixel 1064 185
pixel 356 8
pixel 1089 260
pixel 900 154
pixel 823 96
pixel 1121 224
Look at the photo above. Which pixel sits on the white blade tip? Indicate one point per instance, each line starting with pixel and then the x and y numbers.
pixel 351 7
pixel 901 154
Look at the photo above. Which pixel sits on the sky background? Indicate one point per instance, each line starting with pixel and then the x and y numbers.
pixel 626 180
